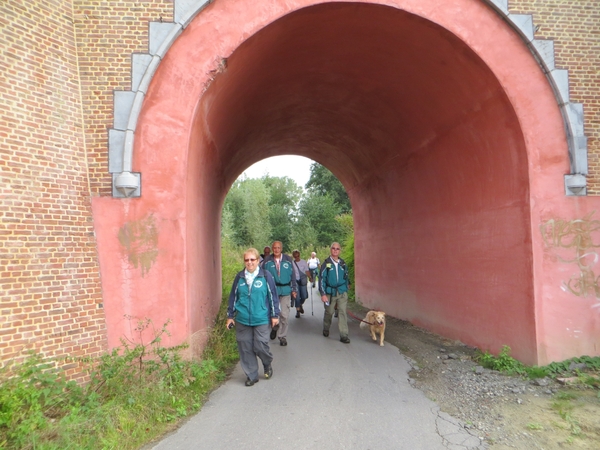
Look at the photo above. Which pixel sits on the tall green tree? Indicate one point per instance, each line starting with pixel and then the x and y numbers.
pixel 323 182
pixel 284 195
pixel 245 213
pixel 318 215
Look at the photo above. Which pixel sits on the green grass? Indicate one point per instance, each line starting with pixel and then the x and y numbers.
pixel 503 362
pixel 565 401
pixel 564 406
pixel 135 393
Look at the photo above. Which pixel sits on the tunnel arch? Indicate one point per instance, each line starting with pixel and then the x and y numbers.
pixel 359 109
pixel 443 167
pixel 128 104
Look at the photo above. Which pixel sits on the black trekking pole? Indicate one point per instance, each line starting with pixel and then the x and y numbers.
pixel 312 309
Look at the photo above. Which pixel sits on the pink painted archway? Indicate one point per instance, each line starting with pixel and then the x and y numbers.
pixel 437 120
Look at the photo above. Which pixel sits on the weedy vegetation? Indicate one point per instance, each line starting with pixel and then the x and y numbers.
pixel 582 374
pixel 135 393
pixel 586 368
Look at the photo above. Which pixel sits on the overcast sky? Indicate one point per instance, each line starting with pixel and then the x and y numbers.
pixel 295 167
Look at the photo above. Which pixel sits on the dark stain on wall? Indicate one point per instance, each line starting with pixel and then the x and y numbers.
pixel 140 241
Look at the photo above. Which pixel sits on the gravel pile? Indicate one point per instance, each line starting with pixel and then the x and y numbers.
pixel 471 393
pixel 447 373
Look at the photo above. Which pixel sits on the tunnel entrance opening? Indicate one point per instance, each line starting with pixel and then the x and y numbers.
pixel 423 137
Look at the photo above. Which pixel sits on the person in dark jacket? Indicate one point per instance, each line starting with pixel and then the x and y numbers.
pixel 281 267
pixel 333 287
pixel 253 309
pixel 301 273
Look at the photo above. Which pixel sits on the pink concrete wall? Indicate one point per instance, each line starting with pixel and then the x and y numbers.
pixel 434 116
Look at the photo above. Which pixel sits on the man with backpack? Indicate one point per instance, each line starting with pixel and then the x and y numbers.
pixel 313 267
pixel 333 287
pixel 281 267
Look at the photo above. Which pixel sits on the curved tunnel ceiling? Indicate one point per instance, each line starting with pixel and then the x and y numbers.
pixel 352 86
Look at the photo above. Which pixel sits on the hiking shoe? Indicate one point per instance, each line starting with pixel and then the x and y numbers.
pixel 283 342
pixel 268 372
pixel 345 339
pixel 273 334
pixel 326 333
pixel 297 314
pixel 301 310
pixel 250 382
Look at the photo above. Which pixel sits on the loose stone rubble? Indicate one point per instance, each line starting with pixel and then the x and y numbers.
pixel 449 375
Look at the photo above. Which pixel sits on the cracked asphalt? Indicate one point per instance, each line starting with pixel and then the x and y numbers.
pixel 323 394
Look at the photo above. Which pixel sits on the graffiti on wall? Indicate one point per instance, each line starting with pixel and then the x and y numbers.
pixel 575 242
pixel 140 241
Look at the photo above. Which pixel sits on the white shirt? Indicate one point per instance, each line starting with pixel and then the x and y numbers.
pixel 335 263
pixel 250 276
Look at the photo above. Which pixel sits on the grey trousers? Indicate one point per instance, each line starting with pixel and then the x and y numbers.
pixel 253 342
pixel 284 303
pixel 342 303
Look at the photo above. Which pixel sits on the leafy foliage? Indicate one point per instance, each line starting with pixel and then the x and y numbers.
pixel 348 256
pixel 319 213
pixel 246 209
pixel 133 394
pixel 284 197
pixel 324 183
pixel 505 363
pixel 257 212
pixel 30 398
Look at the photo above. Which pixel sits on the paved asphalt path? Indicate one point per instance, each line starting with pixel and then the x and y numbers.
pixel 323 395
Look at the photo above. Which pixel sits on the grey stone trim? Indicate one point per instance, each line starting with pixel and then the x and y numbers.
pixel 162 35
pixel 148 74
pixel 132 190
pixel 122 101
pixel 500 5
pixel 575 184
pixel 572 113
pixel 186 10
pixel 545 50
pixel 524 23
pixel 128 104
pixel 139 66
pixel 116 144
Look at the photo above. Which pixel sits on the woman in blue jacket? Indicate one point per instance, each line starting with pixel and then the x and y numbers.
pixel 253 309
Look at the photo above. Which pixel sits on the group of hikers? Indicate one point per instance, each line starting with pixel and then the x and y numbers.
pixel 264 293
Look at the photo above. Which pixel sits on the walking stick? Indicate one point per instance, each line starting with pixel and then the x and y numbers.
pixel 312 308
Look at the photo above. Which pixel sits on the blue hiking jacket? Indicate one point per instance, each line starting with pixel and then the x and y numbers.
pixel 329 283
pixel 255 305
pixel 285 280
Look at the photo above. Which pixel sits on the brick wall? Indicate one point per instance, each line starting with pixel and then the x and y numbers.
pixel 60 61
pixel 108 32
pixel 50 296
pixel 574 26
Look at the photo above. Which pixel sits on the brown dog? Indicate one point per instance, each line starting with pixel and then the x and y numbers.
pixel 375 321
